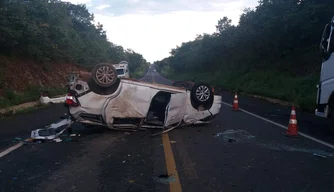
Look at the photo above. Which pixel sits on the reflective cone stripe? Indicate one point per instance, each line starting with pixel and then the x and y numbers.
pixel 292 127
pixel 235 105
pixel 293 112
pixel 293 121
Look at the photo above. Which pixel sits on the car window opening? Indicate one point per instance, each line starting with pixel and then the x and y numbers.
pixel 120 71
pixel 156 113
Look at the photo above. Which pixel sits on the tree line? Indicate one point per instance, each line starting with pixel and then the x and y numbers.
pixel 52 30
pixel 275 43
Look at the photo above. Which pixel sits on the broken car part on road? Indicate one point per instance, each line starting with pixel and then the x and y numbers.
pixel 47 100
pixel 52 131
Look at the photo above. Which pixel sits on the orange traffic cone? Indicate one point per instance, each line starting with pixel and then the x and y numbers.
pixel 292 127
pixel 235 106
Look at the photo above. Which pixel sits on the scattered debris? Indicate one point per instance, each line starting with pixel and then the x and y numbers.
pixel 67 139
pixel 318 155
pixel 29 140
pixel 127 133
pixel 166 179
pixel 44 100
pixel 172 141
pixel 315 152
pixel 57 140
pixel 52 131
pixel 123 162
pixel 73 187
pixel 233 136
pixel 17 139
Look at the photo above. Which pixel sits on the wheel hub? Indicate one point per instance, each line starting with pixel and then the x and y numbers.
pixel 105 75
pixel 202 93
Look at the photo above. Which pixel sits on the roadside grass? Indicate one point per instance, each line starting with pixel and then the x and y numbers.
pixel 299 90
pixel 32 93
pixel 12 114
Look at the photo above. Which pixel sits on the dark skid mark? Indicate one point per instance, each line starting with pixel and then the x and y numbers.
pixel 164 178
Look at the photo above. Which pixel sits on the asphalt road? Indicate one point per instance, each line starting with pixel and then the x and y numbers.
pixel 236 152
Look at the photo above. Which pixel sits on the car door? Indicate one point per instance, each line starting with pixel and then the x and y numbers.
pixel 176 109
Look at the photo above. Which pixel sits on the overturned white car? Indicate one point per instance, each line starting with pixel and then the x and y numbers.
pixel 101 98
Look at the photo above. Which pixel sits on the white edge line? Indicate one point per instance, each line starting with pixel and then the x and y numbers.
pixel 282 126
pixel 10 149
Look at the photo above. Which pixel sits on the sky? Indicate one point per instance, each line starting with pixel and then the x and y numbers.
pixel 153 27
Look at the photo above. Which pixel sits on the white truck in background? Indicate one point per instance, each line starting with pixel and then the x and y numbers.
pixel 325 95
pixel 122 69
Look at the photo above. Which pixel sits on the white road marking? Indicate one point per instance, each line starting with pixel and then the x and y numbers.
pixel 282 126
pixel 10 149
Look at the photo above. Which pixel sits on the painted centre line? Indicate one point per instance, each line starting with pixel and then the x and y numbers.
pixel 282 126
pixel 170 164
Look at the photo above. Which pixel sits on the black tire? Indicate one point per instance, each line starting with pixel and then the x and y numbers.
pixel 201 95
pixel 104 75
pixel 331 111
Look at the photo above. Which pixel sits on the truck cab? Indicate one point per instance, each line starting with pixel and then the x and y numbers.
pixel 325 93
pixel 122 69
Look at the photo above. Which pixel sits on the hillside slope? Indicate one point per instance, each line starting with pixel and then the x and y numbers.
pixel 23 80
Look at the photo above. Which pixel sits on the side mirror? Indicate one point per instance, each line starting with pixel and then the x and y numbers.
pixel 324 38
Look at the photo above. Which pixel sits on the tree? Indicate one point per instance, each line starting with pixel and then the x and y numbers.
pixel 277 35
pixel 52 30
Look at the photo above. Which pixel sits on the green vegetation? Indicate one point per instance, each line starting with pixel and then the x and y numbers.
pixel 12 114
pixel 273 51
pixel 32 93
pixel 54 31
pixel 139 73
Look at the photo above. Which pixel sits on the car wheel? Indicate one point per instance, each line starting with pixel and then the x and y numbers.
pixel 104 75
pixel 202 95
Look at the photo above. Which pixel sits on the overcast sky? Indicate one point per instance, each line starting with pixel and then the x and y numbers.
pixel 153 27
